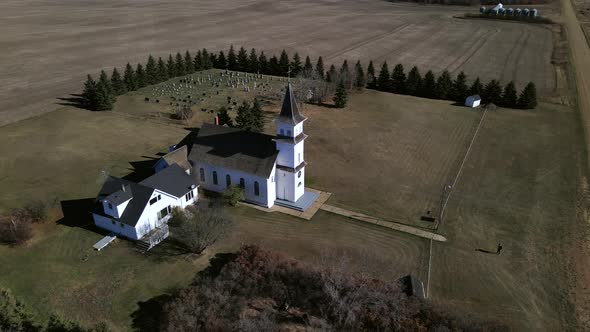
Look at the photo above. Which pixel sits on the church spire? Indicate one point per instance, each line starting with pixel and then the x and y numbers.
pixel 290 111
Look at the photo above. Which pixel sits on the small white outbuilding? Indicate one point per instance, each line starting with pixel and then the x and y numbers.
pixel 473 101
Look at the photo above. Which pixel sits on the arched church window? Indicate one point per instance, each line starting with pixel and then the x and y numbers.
pixel 299 174
pixel 214 177
pixel 202 171
pixel 282 132
pixel 228 180
pixel 242 183
pixel 256 188
pixel 289 133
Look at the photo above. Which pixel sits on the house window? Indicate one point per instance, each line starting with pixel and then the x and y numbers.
pixel 202 171
pixel 122 225
pixel 299 174
pixel 256 188
pixel 189 196
pixel 282 132
pixel 164 212
pixel 289 133
pixel 242 183
pixel 110 206
pixel 214 177
pixel 227 180
pixel 153 200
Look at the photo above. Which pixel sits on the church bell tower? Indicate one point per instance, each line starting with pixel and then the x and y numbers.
pixel 290 172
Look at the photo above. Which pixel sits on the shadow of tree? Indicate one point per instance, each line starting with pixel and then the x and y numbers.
pixel 75 100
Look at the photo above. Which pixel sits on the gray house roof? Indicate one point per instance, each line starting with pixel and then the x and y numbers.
pixel 178 156
pixel 290 111
pixel 140 195
pixel 252 153
pixel 172 180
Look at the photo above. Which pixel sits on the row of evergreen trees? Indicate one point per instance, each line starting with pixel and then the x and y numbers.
pixel 249 117
pixel 445 87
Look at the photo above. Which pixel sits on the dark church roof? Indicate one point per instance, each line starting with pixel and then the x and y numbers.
pixel 252 153
pixel 290 111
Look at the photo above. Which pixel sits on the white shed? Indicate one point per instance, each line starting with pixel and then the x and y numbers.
pixel 473 101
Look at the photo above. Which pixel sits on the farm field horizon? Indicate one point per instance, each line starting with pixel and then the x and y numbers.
pixel 56 44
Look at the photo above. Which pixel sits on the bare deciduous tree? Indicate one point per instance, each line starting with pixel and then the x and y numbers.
pixel 15 227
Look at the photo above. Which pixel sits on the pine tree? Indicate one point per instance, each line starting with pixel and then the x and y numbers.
pixel 243 60
pixel 284 63
pixel 170 67
pixel 179 65
pixel 221 61
pixel 232 60
pixel 528 97
pixel 460 89
pixel 104 99
pixel 444 86
pixel 243 118
pixel 140 77
pixel 428 86
pixel 188 63
pixel 413 82
pixel 332 75
pixel 90 93
pixel 398 79
pixel 509 97
pixel 212 60
pixel 319 67
pixel 106 82
pixel 117 83
pixel 151 71
pixel 162 70
pixel 492 93
pixel 371 78
pixel 198 61
pixel 263 63
pixel 359 75
pixel 383 82
pixel 296 65
pixel 223 117
pixel 345 76
pixel 129 78
pixel 257 117
pixel 476 88
pixel 253 62
pixel 341 96
pixel 307 68
pixel 207 59
pixel 274 68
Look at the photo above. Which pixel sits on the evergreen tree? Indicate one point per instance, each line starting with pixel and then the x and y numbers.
pixel 413 82
pixel 162 70
pixel 307 68
pixel 212 60
pixel 151 71
pixel 189 65
pixel 398 79
pixel 223 117
pixel 283 64
pixel 170 67
pixel 444 86
pixel 341 96
pixel 243 60
pixel 359 76
pixel 253 62
pixel 476 88
pixel 117 83
pixel 243 118
pixel 129 78
pixel 295 65
pixel 274 68
pixel 90 93
pixel 383 82
pixel 528 97
pixel 371 78
pixel 198 61
pixel 106 82
pixel 345 76
pixel 492 93
pixel 509 97
pixel 104 99
pixel 428 86
pixel 257 117
pixel 263 64
pixel 332 75
pixel 319 67
pixel 232 60
pixel 179 66
pixel 207 59
pixel 140 77
pixel 460 89
pixel 221 62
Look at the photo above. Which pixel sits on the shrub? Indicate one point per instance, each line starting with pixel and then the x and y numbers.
pixel 197 227
pixel 233 195
pixel 36 211
pixel 15 228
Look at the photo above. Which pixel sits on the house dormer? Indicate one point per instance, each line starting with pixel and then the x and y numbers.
pixel 114 204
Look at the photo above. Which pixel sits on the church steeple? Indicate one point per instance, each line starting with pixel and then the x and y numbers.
pixel 290 111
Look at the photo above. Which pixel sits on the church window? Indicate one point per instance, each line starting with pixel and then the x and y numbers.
pixel 299 174
pixel 299 155
pixel 282 132
pixel 242 183
pixel 114 223
pixel 214 177
pixel 202 171
pixel 299 185
pixel 256 188
pixel 289 133
pixel 228 180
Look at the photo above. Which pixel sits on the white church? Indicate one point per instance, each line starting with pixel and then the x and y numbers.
pixel 270 168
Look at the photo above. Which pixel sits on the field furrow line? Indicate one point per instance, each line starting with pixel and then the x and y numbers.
pixel 519 47
pixel 474 49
